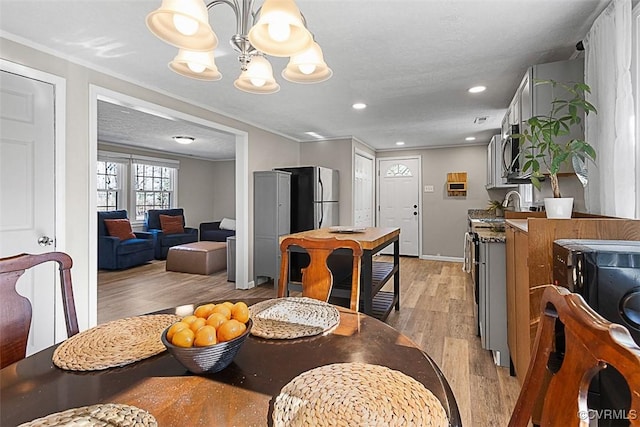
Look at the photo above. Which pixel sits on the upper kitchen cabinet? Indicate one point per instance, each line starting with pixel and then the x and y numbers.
pixel 531 100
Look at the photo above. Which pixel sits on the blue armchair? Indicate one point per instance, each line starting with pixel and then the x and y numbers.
pixel 116 254
pixel 162 241
pixel 211 231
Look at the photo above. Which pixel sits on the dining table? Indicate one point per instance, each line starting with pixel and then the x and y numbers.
pixel 374 275
pixel 242 394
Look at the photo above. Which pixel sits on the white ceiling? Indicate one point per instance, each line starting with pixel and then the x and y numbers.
pixel 410 61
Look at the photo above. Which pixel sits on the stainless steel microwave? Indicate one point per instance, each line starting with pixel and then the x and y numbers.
pixel 512 158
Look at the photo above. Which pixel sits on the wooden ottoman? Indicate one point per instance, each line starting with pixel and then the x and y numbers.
pixel 197 257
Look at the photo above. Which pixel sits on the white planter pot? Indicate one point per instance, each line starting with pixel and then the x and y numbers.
pixel 558 207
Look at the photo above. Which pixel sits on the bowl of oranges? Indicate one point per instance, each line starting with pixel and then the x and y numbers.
pixel 208 340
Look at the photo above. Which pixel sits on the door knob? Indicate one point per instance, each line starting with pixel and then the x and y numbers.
pixel 415 206
pixel 415 213
pixel 45 241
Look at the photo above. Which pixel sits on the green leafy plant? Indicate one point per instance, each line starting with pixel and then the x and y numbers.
pixel 544 148
pixel 496 207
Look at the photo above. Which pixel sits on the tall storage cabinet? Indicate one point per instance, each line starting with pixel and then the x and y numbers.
pixel 271 219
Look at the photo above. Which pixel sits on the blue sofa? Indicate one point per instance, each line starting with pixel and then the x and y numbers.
pixel 162 242
pixel 116 254
pixel 211 231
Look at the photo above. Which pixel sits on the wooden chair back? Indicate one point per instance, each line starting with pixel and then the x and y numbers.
pixel 15 310
pixel 590 344
pixel 317 280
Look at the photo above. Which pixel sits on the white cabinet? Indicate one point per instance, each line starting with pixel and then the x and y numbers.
pixel 495 177
pixel 271 219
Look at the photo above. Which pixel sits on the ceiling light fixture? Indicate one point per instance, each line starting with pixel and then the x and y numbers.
pixel 400 143
pixel 184 140
pixel 359 106
pixel 477 89
pixel 279 29
pixel 470 138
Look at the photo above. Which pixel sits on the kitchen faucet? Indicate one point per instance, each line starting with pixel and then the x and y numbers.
pixel 517 200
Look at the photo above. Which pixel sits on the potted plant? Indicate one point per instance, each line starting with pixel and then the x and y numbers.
pixel 495 206
pixel 547 147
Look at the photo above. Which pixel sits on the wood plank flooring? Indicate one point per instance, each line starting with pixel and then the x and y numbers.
pixel 437 311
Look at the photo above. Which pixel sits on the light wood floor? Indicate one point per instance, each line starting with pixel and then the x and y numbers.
pixel 436 311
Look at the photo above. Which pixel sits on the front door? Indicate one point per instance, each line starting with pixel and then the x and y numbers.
pixel 400 201
pixel 27 193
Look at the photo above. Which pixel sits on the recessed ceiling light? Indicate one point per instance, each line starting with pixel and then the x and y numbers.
pixel 359 106
pixel 184 139
pixel 315 135
pixel 470 138
pixel 400 143
pixel 477 89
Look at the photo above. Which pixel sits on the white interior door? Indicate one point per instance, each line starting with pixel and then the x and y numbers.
pixel 400 201
pixel 27 193
pixel 363 191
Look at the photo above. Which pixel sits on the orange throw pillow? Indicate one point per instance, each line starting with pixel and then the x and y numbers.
pixel 171 224
pixel 120 228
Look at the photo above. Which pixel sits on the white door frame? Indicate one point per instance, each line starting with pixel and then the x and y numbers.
pixel 60 121
pixel 242 185
pixel 377 175
pixel 357 151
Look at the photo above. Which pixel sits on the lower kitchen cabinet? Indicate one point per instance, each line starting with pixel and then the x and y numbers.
pixel 492 301
pixel 529 267
pixel 517 289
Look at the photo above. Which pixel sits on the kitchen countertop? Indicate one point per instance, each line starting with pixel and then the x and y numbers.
pixel 484 222
pixel 487 235
pixel 521 224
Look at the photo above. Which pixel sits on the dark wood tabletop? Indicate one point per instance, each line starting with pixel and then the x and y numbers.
pixel 242 394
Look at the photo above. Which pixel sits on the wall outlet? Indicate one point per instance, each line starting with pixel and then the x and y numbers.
pixel 428 189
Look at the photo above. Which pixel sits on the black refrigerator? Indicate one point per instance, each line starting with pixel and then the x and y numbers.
pixel 314 204
pixel 315 191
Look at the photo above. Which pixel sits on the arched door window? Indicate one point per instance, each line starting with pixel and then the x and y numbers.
pixel 398 169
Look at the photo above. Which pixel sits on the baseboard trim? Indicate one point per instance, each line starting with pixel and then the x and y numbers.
pixel 442 258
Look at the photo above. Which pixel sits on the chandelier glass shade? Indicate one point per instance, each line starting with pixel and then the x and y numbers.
pixel 279 30
pixel 307 67
pixel 197 65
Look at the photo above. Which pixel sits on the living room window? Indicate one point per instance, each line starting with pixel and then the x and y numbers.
pixel 109 185
pixel 153 187
pixel 136 183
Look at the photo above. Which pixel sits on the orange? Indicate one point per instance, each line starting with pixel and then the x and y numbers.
pixel 204 311
pixel 230 329
pixel 223 309
pixel 205 336
pixel 240 312
pixel 197 324
pixel 229 304
pixel 189 319
pixel 183 338
pixel 178 326
pixel 216 319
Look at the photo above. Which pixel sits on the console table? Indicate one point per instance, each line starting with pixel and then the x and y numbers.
pixel 374 274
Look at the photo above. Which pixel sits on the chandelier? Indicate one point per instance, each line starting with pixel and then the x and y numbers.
pixel 279 29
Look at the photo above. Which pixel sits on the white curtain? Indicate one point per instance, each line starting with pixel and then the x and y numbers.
pixel 611 189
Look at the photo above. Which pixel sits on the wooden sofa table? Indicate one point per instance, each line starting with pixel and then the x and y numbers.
pixel 374 275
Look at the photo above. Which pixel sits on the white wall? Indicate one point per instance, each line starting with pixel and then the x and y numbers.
pixel 265 150
pixel 223 184
pixel 444 218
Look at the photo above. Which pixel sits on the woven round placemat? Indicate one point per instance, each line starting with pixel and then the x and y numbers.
pixel 115 343
pixel 357 394
pixel 108 414
pixel 292 317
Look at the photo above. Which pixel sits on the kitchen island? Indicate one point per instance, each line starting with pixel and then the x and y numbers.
pixel 374 274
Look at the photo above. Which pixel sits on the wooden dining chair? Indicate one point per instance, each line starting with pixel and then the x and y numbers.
pixel 558 394
pixel 317 279
pixel 15 310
